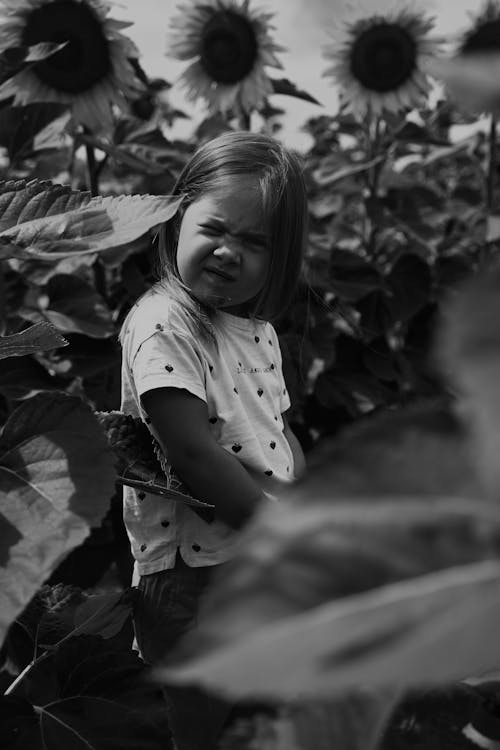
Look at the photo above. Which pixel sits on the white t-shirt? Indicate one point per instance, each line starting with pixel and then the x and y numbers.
pixel 241 382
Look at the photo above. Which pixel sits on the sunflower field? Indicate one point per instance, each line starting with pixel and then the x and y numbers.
pixel 362 612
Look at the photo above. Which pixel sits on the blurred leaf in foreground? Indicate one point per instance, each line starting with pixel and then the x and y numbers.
pixel 392 499
pixel 433 629
pixel 56 480
pixel 469 351
pixel 472 80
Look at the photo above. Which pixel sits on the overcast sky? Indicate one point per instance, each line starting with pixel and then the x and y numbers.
pixel 301 27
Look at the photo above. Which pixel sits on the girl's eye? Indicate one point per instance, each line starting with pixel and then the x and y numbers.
pixel 259 246
pixel 210 229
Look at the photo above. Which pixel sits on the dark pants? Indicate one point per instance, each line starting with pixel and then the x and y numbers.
pixel 166 609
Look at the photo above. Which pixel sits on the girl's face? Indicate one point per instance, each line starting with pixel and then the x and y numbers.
pixel 223 252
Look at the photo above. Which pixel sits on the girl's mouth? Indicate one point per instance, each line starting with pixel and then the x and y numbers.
pixel 220 273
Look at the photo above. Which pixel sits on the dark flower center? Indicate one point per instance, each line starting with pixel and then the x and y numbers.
pixel 484 38
pixel 86 58
pixel 383 57
pixel 229 47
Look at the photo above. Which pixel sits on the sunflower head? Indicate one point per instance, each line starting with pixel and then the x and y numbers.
pixel 229 46
pixel 377 59
pixel 91 73
pixel 484 35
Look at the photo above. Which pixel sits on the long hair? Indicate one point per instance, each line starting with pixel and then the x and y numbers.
pixel 279 176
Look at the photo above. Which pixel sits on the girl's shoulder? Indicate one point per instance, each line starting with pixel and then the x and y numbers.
pixel 155 312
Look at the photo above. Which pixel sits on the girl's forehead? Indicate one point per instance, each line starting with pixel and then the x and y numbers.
pixel 238 197
pixel 236 183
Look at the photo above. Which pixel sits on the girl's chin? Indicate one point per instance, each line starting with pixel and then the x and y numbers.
pixel 211 299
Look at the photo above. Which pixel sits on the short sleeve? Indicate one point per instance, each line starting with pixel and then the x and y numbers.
pixel 168 359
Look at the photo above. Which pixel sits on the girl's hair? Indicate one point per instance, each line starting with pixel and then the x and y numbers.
pixel 279 177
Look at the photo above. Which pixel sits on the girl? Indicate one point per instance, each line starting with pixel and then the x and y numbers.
pixel 202 368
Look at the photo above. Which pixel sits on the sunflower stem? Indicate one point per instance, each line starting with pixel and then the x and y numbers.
pixel 22 675
pixel 492 166
pixel 245 120
pixel 92 170
pixel 373 176
pixel 98 268
pixel 3 295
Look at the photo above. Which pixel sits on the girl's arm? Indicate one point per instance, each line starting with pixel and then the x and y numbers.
pixel 299 462
pixel 213 475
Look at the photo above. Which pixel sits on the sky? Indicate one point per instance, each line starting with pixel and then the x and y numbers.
pixel 300 25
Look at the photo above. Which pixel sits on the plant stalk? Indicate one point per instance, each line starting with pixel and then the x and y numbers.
pixel 3 300
pixel 92 170
pixel 20 677
pixel 492 166
pixel 97 267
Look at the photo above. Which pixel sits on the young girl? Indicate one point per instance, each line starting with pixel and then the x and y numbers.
pixel 202 368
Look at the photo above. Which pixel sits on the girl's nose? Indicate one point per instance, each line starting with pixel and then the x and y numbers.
pixel 227 250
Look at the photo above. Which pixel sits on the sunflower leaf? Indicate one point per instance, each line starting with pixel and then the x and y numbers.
pixel 88 694
pixel 287 88
pixel 39 337
pixel 151 155
pixel 380 522
pixel 469 349
pixel 57 477
pixel 22 201
pixel 20 126
pixel 74 306
pixel 430 630
pixel 16 59
pixel 48 221
pixel 472 80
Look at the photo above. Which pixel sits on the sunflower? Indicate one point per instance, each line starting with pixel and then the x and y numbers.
pixel 377 57
pixel 472 73
pixel 230 46
pixel 483 37
pixel 90 74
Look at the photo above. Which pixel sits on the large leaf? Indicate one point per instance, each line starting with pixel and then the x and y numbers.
pixel 326 177
pixel 56 479
pixel 22 201
pixel 396 499
pixel 410 286
pixel 434 629
pixel 89 696
pixel 84 357
pixel 471 79
pixel 300 557
pixel 19 126
pixel 468 348
pixel 22 377
pixel 61 611
pixel 351 277
pixel 40 337
pixel 72 224
pixel 74 306
pixel 140 157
